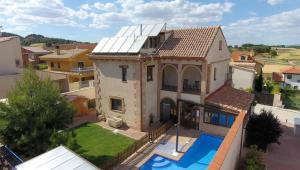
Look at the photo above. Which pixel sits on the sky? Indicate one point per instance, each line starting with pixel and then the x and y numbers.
pixel 271 22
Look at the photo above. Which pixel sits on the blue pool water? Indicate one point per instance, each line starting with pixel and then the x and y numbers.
pixel 197 157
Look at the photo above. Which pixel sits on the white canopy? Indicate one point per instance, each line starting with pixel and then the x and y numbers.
pixel 60 158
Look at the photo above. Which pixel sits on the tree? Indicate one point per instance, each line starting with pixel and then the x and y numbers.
pixel 253 160
pixel 35 111
pixel 287 95
pixel 259 82
pixel 263 129
pixel 273 53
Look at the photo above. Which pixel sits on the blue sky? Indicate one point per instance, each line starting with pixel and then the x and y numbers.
pixel 243 21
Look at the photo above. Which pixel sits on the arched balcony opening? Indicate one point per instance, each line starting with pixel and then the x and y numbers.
pixel 191 80
pixel 169 78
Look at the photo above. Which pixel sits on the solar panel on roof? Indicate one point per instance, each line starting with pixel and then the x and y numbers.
pixel 138 43
pixel 156 29
pixel 109 45
pixel 130 31
pixel 118 44
pixel 127 44
pixel 100 45
pixel 122 31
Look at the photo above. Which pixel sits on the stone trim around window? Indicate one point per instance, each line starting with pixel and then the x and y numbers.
pixel 122 104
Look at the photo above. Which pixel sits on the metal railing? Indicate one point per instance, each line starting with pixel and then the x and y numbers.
pixel 190 89
pixel 150 137
pixel 82 69
pixel 169 87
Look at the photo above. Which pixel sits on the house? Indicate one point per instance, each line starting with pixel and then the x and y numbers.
pixel 242 56
pixel 8 82
pixel 32 54
pixel 269 69
pixel 147 74
pixel 291 77
pixel 74 63
pixel 10 55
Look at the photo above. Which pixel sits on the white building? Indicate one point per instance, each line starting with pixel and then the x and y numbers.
pixel 291 77
pixel 242 75
pixel 10 55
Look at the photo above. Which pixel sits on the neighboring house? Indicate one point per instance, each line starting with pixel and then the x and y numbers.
pixel 244 68
pixel 147 73
pixel 291 77
pixel 32 54
pixel 10 55
pixel 243 75
pixel 8 82
pixel 74 63
pixel 269 69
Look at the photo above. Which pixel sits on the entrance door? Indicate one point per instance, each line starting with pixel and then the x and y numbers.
pixel 166 112
pixel 189 115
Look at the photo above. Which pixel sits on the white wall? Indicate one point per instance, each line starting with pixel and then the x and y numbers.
pixel 242 78
pixel 294 81
pixel 222 69
pixel 10 51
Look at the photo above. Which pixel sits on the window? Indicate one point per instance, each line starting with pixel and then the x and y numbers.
pixel 295 87
pixel 80 64
pixel 116 104
pixel 17 62
pixel 243 58
pixel 124 72
pixel 220 45
pixel 215 72
pixel 153 42
pixel 52 64
pixel 150 73
pixel 289 76
pixel 220 119
pixel 298 81
pixel 58 65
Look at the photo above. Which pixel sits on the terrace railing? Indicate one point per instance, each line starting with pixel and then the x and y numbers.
pixel 169 87
pixel 82 69
pixel 150 137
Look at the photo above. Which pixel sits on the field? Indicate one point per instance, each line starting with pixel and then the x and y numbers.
pixel 285 56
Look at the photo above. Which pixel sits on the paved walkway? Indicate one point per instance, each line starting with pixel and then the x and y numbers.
pixel 285 156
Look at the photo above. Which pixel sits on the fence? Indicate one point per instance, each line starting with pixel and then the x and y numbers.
pixel 120 157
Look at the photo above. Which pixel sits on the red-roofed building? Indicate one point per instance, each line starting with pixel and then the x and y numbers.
pixel 291 77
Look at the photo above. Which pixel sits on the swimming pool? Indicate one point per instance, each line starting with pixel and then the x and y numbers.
pixel 197 157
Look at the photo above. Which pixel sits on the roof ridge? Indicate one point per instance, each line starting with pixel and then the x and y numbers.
pixel 193 28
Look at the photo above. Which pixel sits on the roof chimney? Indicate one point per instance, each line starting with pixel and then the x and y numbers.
pixel 141 30
pixel 57 50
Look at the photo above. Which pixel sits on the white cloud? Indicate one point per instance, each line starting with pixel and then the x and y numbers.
pixel 278 28
pixel 175 12
pixel 274 2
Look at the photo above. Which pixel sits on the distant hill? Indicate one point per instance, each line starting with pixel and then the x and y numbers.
pixel 36 38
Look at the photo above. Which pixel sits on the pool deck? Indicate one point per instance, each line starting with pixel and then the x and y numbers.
pixel 161 146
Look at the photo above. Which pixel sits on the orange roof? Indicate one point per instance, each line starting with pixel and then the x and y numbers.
pixel 194 42
pixel 223 150
pixel 293 70
pixel 235 56
pixel 229 98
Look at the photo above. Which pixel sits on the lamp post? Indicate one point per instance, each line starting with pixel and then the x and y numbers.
pixel 177 135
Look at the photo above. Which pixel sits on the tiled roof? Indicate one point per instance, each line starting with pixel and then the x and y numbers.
pixel 293 70
pixel 235 56
pixel 194 42
pixel 230 98
pixel 64 54
pixel 36 50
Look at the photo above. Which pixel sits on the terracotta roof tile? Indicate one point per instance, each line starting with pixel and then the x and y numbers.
pixel 230 98
pixel 235 56
pixel 194 42
pixel 293 70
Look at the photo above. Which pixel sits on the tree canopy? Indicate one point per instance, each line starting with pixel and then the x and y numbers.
pixel 263 129
pixel 35 111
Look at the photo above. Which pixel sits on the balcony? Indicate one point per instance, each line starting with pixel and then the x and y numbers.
pixel 191 88
pixel 169 87
pixel 83 69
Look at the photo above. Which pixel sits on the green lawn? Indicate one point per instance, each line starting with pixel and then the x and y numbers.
pixel 97 144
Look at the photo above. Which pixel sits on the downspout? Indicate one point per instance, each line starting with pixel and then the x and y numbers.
pixel 141 92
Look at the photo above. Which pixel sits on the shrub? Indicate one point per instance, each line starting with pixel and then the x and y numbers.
pixel 92 104
pixel 253 160
pixel 263 129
